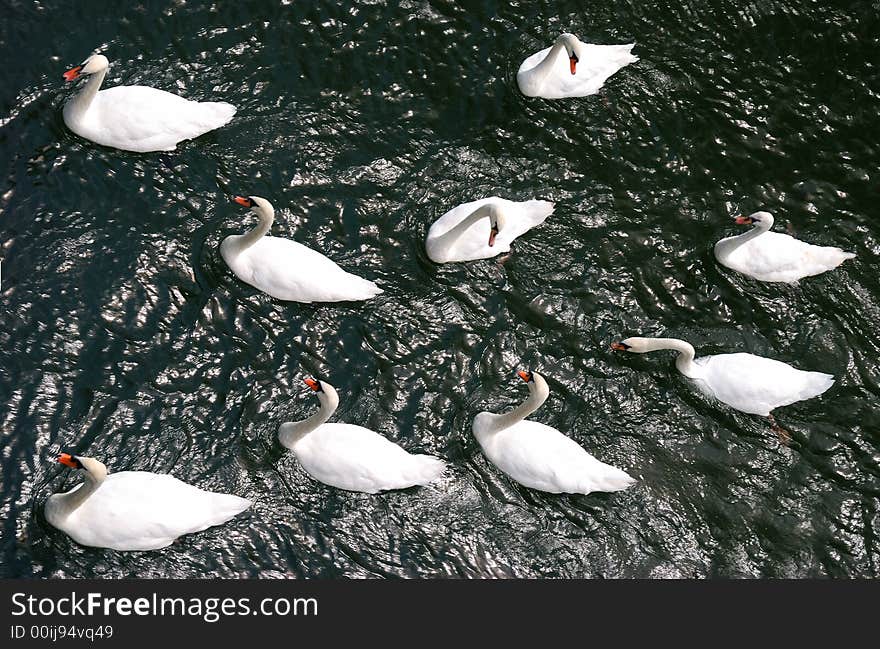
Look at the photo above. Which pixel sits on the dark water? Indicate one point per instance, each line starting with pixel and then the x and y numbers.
pixel 123 335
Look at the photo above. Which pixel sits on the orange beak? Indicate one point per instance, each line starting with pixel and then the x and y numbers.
pixel 524 375
pixel 572 61
pixel 67 460
pixel 492 234
pixel 241 200
pixel 313 384
pixel 619 347
pixel 72 73
pixel 743 220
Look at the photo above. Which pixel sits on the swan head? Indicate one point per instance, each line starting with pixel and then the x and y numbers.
pixel 496 221
pixel 635 345
pixel 95 63
pixel 325 392
pixel 763 220
pixel 537 385
pixel 572 46
pixel 90 465
pixel 291 432
pixel 259 206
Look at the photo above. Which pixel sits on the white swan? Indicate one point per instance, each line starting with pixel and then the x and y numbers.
pixel 136 118
pixel 775 257
pixel 749 383
pixel 285 269
pixel 134 510
pixel 571 68
pixel 538 456
pixel 482 229
pixel 353 457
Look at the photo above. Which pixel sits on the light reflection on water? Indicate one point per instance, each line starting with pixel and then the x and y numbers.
pixel 125 337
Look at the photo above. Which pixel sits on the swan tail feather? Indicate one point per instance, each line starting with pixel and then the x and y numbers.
pixel 831 257
pixel 364 289
pixel 216 113
pixel 610 480
pixel 819 383
pixel 227 506
pixel 427 469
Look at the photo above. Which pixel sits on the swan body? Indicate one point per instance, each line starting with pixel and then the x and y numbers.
pixel 135 510
pixel 538 456
pixel 775 257
pixel 745 382
pixel 482 229
pixel 353 457
pixel 571 68
pixel 285 269
pixel 137 118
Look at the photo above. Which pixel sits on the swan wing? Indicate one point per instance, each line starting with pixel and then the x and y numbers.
pixel 540 457
pixel 757 385
pixel 139 118
pixel 777 257
pixel 522 217
pixel 137 510
pixel 288 270
pixel 355 458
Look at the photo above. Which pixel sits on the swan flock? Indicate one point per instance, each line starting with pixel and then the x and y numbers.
pixel 138 510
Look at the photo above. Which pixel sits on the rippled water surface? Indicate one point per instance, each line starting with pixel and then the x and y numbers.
pixel 123 335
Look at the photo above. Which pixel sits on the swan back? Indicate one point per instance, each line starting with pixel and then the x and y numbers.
pixel 540 457
pixel 354 458
pixel 757 385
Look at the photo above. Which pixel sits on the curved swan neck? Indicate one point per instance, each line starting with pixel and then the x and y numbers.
pixel 537 396
pixel 68 502
pixel 291 432
pixel 685 360
pixel 81 102
pixel 726 246
pixel 545 67
pixel 484 211
pixel 267 217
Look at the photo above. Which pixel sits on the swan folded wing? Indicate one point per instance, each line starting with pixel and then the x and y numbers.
pixel 541 457
pixel 355 458
pixel 137 510
pixel 601 58
pixel 525 216
pixel 757 385
pixel 148 119
pixel 288 270
pixel 778 257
